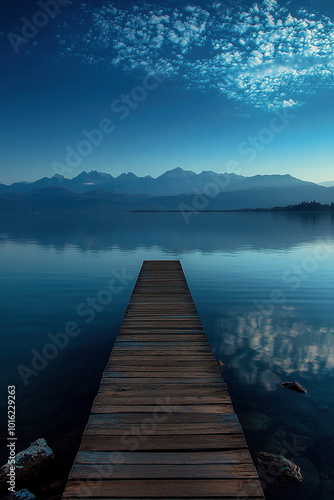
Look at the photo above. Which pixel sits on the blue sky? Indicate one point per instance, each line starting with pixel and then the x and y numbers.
pixel 248 88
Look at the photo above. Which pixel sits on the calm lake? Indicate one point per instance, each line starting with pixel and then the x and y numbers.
pixel 263 285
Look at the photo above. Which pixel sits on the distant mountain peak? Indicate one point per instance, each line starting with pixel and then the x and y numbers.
pixel 178 172
pixel 93 174
pixel 327 184
pixel 127 175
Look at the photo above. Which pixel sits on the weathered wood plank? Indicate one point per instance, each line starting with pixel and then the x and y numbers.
pixel 139 471
pixel 164 374
pixel 139 349
pixel 176 362
pixel 144 441
pixel 162 405
pixel 165 488
pixel 175 400
pixel 157 378
pixel 173 418
pixel 180 338
pixel 174 498
pixel 151 428
pixel 167 348
pixel 122 388
pixel 165 369
pixel 170 355
pixel 166 458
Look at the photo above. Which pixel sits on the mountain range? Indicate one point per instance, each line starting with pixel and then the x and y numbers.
pixel 171 183
pixel 327 183
pixel 174 190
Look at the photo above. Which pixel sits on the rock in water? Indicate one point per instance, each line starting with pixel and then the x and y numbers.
pixel 255 421
pixel 294 386
pixel 22 495
pixel 221 365
pixel 278 466
pixel 30 463
pixel 279 441
pixel 311 478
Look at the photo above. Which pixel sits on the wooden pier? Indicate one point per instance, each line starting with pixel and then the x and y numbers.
pixel 162 424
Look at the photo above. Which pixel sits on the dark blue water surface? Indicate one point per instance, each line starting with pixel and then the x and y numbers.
pixel 263 285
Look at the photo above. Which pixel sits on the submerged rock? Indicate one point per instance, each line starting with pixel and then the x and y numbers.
pixel 221 365
pixel 278 466
pixel 30 463
pixel 311 477
pixel 282 442
pixel 255 421
pixel 294 386
pixel 22 495
pixel 51 489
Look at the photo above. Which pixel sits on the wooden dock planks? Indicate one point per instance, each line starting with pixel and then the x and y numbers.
pixel 162 424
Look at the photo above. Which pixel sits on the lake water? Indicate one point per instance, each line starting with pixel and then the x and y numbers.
pixel 263 286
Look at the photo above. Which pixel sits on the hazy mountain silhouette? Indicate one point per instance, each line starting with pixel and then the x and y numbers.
pixel 171 183
pixel 327 183
pixel 174 190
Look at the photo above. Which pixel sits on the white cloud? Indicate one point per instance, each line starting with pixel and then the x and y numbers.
pixel 260 55
pixel 290 103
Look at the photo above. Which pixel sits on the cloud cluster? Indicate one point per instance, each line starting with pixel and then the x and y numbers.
pixel 261 55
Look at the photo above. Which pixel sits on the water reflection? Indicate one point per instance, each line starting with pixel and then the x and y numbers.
pixel 208 232
pixel 283 346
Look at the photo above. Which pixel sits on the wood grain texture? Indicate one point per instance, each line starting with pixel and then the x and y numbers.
pixel 165 488
pixel 162 424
